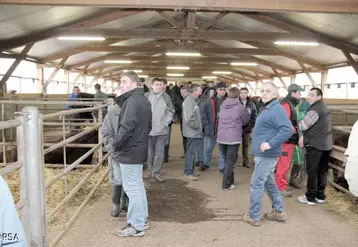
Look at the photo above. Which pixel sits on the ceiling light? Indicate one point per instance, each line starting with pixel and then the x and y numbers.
pixel 242 64
pixel 175 74
pixel 82 38
pixel 183 54
pixel 298 43
pixel 209 77
pixel 222 72
pixel 117 61
pixel 178 67
pixel 143 76
pixel 135 70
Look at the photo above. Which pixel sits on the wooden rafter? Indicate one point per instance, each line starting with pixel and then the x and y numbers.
pixel 90 21
pixel 14 65
pixel 169 19
pixel 351 61
pixel 279 77
pixel 183 34
pixel 308 74
pixel 214 20
pixel 58 67
pixel 294 28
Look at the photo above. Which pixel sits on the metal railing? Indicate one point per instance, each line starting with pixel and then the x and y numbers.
pixel 31 151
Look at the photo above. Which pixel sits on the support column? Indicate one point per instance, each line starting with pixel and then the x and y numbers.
pixel 324 81
pixel 293 79
pixel 84 82
pixel 34 176
pixel 67 80
pixel 40 80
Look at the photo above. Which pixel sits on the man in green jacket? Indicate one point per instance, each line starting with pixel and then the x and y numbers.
pixel 298 158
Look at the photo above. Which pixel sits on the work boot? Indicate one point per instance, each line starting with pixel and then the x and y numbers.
pixel 294 179
pixel 116 200
pixel 276 216
pixel 124 201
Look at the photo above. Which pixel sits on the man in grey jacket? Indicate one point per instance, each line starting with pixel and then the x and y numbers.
pixel 109 131
pixel 192 129
pixel 162 116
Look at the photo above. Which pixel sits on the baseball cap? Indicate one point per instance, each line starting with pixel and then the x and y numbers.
pixel 294 87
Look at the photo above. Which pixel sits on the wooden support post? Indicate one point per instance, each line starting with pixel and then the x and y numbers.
pixel 12 69
pixel 191 20
pixel 40 78
pixel 279 77
pixel 293 79
pixel 351 61
pixel 54 73
pixel 324 77
pixel 305 70
pixel 67 79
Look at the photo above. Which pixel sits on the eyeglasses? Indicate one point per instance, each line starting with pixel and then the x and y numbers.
pixel 265 90
pixel 222 89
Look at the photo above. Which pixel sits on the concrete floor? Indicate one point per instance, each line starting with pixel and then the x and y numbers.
pixel 307 226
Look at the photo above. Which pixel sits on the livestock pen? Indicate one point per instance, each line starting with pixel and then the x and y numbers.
pixel 36 183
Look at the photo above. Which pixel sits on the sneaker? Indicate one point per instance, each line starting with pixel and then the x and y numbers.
pixel 276 216
pixel 303 199
pixel 146 225
pixel 232 187
pixel 320 201
pixel 286 193
pixel 247 219
pixel 203 167
pixel 198 163
pixel 191 178
pixel 159 179
pixel 130 231
pixel 166 160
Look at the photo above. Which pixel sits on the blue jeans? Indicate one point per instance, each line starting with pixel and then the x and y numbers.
pixel 263 178
pixel 210 142
pixel 191 147
pixel 200 150
pixel 132 178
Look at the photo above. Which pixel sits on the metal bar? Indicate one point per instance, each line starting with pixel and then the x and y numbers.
pixel 10 123
pixel 31 102
pixel 34 173
pixel 100 139
pixel 78 186
pixel 3 133
pixel 73 165
pixel 72 145
pixel 340 188
pixel 336 167
pixel 71 139
pixel 10 168
pixel 20 205
pixel 70 112
pixel 68 124
pixel 74 216
pixel 61 166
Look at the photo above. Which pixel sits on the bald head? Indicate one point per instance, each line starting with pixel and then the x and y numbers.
pixel 269 91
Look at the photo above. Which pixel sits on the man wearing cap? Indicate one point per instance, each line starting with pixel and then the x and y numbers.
pixel 289 103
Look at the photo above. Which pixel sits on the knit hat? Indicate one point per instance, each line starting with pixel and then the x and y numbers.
pixel 221 85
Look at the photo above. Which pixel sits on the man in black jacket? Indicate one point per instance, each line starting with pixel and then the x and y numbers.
pixel 131 149
pixel 251 109
pixel 176 103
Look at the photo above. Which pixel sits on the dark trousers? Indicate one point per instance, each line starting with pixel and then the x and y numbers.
pixel 230 155
pixel 317 171
pixel 245 149
pixel 167 144
pixel 183 137
pixel 191 145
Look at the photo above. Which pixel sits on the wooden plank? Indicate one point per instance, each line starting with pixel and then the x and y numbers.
pixel 214 20
pixel 334 6
pixel 169 19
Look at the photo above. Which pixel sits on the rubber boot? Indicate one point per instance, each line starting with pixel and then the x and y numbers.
pixel 295 172
pixel 124 201
pixel 116 200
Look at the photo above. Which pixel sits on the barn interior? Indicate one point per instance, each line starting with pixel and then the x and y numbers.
pixel 47 47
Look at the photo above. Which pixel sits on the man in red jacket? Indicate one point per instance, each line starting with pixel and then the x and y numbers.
pixel 289 103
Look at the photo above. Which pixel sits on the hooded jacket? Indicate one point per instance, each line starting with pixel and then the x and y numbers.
pixel 232 117
pixel 134 125
pixel 192 126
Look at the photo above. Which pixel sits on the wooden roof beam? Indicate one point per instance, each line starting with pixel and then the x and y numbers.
pixel 214 20
pixel 191 20
pixel 185 34
pixel 279 77
pixel 169 19
pixel 90 21
pixel 351 61
pixel 308 74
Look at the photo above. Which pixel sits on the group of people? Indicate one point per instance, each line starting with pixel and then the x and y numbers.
pixel 136 131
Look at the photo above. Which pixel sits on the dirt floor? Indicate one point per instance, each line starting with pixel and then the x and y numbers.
pixel 201 214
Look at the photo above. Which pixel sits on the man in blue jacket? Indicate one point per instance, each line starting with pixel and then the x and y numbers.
pixel 271 130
